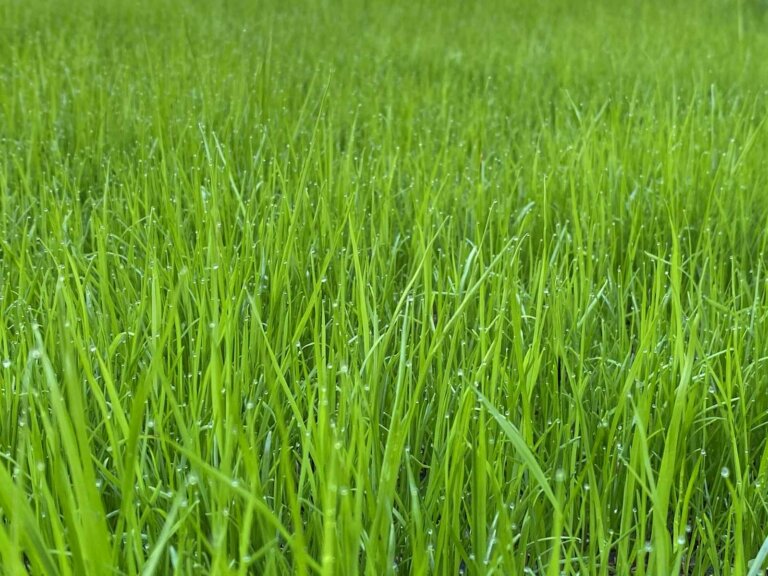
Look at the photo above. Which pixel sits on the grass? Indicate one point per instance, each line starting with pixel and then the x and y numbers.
pixel 377 288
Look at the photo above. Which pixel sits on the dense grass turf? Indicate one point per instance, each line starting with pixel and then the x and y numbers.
pixel 383 287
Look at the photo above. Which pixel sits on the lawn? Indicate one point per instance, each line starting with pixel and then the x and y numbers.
pixel 361 287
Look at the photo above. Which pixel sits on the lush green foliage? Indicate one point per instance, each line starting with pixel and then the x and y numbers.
pixel 383 287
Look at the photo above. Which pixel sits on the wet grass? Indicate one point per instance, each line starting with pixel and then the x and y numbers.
pixel 306 288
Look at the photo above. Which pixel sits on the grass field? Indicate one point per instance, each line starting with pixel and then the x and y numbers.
pixel 409 287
